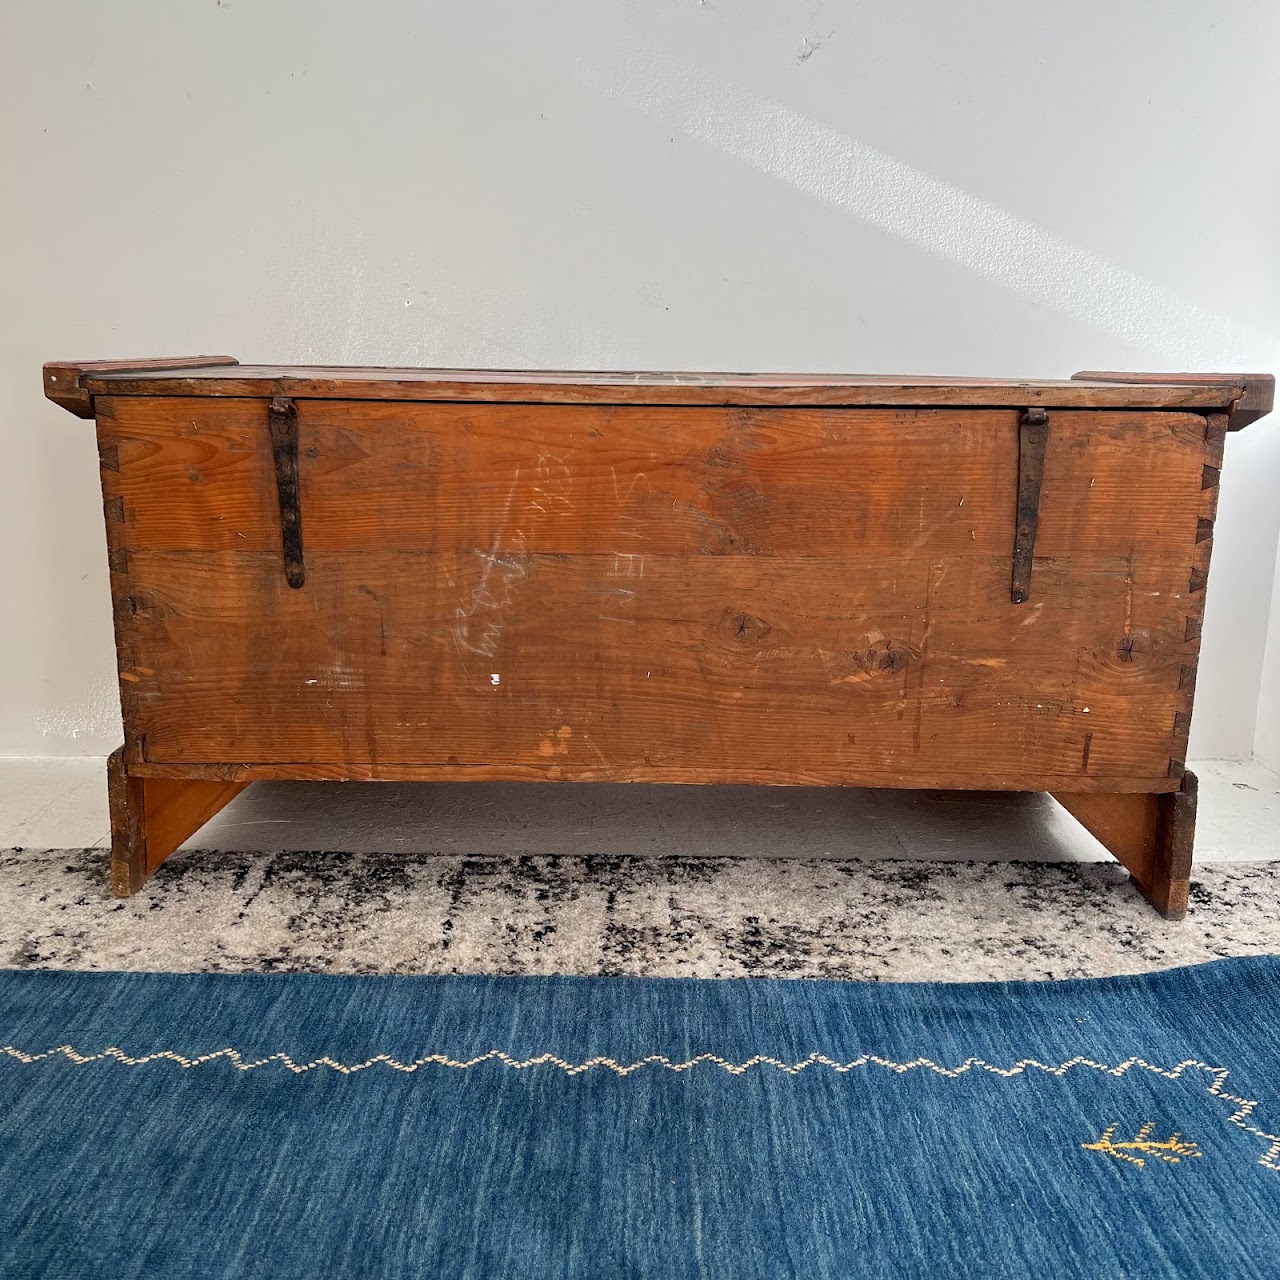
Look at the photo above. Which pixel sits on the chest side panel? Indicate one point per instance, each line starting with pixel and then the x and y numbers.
pixel 638 592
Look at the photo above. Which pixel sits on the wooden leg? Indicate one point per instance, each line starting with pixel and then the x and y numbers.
pixel 1152 835
pixel 151 817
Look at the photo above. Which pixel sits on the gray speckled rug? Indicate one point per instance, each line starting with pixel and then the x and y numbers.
pixel 686 917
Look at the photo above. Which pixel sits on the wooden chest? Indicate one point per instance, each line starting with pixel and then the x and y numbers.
pixel 738 578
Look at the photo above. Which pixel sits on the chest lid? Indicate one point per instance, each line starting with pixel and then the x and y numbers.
pixel 73 385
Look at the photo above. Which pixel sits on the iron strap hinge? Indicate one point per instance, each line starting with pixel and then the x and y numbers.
pixel 283 416
pixel 1033 435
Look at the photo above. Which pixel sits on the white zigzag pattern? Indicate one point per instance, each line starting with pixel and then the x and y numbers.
pixel 1240 1117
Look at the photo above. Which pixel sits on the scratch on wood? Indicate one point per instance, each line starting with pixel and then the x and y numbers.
pixel 625 599
pixel 484 599
pixel 553 485
pixel 936 574
pixel 627 565
pixel 621 498
pixel 496 601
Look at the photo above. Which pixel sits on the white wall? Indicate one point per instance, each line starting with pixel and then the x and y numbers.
pixel 1267 747
pixel 996 188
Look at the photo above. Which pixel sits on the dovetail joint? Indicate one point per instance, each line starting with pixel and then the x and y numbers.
pixel 1215 439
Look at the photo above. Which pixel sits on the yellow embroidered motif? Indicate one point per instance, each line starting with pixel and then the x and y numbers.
pixel 1171 1149
pixel 1240 1117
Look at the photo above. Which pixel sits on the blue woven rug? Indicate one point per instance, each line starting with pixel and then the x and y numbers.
pixel 319 1126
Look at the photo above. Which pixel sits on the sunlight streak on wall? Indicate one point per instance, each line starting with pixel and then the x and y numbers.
pixel 925 211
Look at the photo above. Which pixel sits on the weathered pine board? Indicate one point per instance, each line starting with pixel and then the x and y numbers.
pixel 730 662
pixel 151 817
pixel 680 481
pixel 1152 835
pixel 1255 401
pixel 732 595
pixel 65 380
pixel 655 388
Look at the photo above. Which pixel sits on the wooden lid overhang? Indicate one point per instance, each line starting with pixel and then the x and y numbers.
pixel 1244 397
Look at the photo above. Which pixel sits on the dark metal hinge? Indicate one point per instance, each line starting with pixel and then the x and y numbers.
pixel 283 415
pixel 1033 435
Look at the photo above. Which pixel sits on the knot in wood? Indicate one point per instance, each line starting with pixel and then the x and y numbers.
pixel 743 628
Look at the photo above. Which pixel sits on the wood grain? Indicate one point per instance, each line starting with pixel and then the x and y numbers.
pixel 128 844
pixel 658 577
pixel 65 381
pixel 151 817
pixel 729 661
pixel 197 475
pixel 1125 825
pixel 1256 398
pixel 714 594
pixel 1151 835
pixel 560 387
pixel 821 776
pixel 175 810
pixel 1175 843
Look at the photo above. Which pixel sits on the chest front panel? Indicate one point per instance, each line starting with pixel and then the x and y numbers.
pixel 648 592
